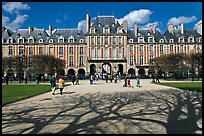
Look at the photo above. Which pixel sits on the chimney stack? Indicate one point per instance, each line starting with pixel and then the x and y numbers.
pixel 30 29
pixel 171 28
pixel 50 30
pixel 153 28
pixel 180 27
pixel 87 23
pixel 125 26
pixel 135 29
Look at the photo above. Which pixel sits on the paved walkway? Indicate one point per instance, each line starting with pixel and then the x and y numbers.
pixel 106 108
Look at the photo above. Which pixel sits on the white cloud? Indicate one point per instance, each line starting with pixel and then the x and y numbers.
pixel 5 20
pixel 140 16
pixel 181 20
pixel 15 24
pixel 12 7
pixel 58 21
pixel 82 24
pixel 147 25
pixel 198 27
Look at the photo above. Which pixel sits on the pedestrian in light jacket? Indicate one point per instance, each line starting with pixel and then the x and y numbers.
pixel 61 85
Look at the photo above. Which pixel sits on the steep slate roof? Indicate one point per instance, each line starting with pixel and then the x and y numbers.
pixel 6 33
pixel 110 21
pixel 177 33
pixel 66 33
pixel 157 35
pixel 36 34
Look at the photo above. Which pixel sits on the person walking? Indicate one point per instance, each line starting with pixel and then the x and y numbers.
pixel 73 79
pixel 106 77
pixel 7 79
pixel 61 84
pixel 157 78
pixel 91 79
pixel 138 81
pixel 53 84
pixel 77 80
pixel 153 78
pixel 125 84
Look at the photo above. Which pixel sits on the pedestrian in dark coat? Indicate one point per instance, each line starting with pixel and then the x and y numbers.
pixel 73 79
pixel 53 84
pixel 157 78
pixel 7 79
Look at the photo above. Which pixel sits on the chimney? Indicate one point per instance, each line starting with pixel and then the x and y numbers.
pixel 171 28
pixel 135 29
pixel 50 30
pixel 180 27
pixel 87 23
pixel 153 28
pixel 125 26
pixel 30 29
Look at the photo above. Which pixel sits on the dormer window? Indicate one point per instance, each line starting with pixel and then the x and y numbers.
pixel 148 34
pixel 141 39
pixel 120 30
pixel 10 40
pixel 40 40
pixel 30 40
pixel 131 40
pixel 20 40
pixel 92 30
pixel 181 39
pixel 161 40
pixel 151 39
pixel 81 40
pixel 138 34
pixel 171 40
pixel 114 40
pixel 106 30
pixel 51 41
pixel 200 39
pixel 71 40
pixel 191 39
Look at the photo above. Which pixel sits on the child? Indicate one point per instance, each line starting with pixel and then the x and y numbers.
pixel 128 81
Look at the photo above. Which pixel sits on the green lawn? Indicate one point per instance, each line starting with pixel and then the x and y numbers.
pixel 192 86
pixel 11 93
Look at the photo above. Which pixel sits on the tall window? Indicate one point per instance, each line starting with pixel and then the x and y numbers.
pixel 131 48
pixel 99 52
pixel 120 52
pixel 151 48
pixel 10 51
pixel 21 50
pixel 71 51
pixel 141 48
pixel 40 50
pixel 131 60
pixel 120 40
pixel 81 50
pixel 114 52
pixel 71 61
pixel 181 48
pixel 106 40
pixel 92 52
pixel 51 50
pixel 106 52
pixel 81 62
pixel 161 48
pixel 171 48
pixel 61 51
pixel 30 50
pixel 141 60
pixel 151 60
pixel 98 40
pixel 114 41
pixel 92 40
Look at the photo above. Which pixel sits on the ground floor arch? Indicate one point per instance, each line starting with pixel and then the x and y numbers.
pixel 106 68
pixel 131 72
pixel 120 68
pixel 71 72
pixel 92 69
pixel 141 72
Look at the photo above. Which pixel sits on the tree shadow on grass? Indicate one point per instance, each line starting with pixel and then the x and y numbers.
pixel 150 112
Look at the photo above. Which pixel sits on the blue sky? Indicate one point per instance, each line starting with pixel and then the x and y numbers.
pixel 72 14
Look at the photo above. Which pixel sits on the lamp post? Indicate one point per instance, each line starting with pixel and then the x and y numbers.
pixel 192 51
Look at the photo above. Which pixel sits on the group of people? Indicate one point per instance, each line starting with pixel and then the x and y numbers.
pixel 75 79
pixel 128 84
pixel 54 84
pixel 155 78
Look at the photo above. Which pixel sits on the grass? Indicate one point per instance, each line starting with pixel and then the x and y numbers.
pixel 192 86
pixel 12 93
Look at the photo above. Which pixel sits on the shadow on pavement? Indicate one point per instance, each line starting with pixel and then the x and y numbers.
pixel 152 112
